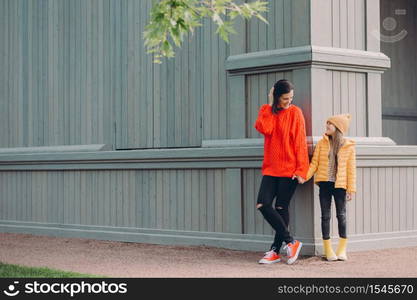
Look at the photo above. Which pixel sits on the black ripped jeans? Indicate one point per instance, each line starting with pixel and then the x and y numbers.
pixel 327 190
pixel 283 189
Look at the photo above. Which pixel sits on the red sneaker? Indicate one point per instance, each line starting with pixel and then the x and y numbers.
pixel 293 249
pixel 270 257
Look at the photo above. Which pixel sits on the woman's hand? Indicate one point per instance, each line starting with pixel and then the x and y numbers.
pixel 349 196
pixel 299 178
pixel 271 96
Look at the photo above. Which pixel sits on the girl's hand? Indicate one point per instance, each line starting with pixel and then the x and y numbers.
pixel 271 96
pixel 349 196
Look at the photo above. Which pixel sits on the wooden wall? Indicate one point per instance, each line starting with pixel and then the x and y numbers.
pixel 385 202
pixel 399 89
pixel 339 23
pixel 76 72
pixel 176 199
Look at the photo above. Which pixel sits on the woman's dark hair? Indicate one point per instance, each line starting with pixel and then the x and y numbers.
pixel 282 86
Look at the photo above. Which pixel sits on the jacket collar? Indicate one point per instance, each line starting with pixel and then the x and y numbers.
pixel 348 142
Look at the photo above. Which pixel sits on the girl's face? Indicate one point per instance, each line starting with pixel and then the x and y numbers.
pixel 330 128
pixel 286 99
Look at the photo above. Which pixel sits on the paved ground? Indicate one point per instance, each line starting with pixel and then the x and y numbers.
pixel 119 259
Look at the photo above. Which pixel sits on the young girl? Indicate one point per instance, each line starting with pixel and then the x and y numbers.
pixel 334 163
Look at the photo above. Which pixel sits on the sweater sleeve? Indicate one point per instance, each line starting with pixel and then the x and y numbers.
pixel 264 123
pixel 351 172
pixel 314 162
pixel 300 144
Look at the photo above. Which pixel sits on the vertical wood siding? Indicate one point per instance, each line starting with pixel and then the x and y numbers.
pixel 399 89
pixel 253 221
pixel 342 23
pixel 385 201
pixel 215 82
pixel 288 26
pixel 349 96
pixel 178 199
pixel 76 72
pixel 345 93
pixel 402 131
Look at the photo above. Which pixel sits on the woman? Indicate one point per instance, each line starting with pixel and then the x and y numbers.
pixel 285 164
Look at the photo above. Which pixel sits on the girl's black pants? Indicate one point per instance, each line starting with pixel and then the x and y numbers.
pixel 327 190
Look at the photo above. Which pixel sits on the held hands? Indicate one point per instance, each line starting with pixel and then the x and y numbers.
pixel 299 178
pixel 349 196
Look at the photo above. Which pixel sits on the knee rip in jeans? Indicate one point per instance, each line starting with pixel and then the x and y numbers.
pixel 325 218
pixel 279 207
pixel 341 216
pixel 259 205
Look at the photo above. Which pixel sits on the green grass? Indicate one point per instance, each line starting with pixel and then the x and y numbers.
pixel 8 270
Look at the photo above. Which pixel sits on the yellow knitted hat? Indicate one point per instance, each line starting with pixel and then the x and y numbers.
pixel 341 122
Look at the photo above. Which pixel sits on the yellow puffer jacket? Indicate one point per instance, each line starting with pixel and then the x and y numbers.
pixel 346 170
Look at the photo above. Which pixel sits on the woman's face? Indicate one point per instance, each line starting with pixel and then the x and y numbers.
pixel 330 128
pixel 286 99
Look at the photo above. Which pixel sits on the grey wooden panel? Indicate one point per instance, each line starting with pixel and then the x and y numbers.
pixel 389 204
pixel 414 193
pixel 49 102
pixel 192 199
pixel 372 11
pixel 288 26
pixel 410 196
pixel 219 207
pixel 233 200
pixel 248 215
pixel 210 201
pixel 78 73
pixel 385 201
pixel 171 204
pixel 302 215
pixel 253 221
pixel 352 212
pixel 187 201
pixel 181 198
pixel 367 200
pixel 128 198
pixel 396 195
pixel 400 74
pixel 382 198
pixel 342 23
pixel 3 90
pixel 214 81
pixel 403 199
pixel 323 100
pixel 398 83
pixel 349 96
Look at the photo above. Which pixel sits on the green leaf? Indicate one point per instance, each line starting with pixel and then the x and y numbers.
pixel 171 20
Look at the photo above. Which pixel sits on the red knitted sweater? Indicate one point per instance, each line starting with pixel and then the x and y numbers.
pixel 285 146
